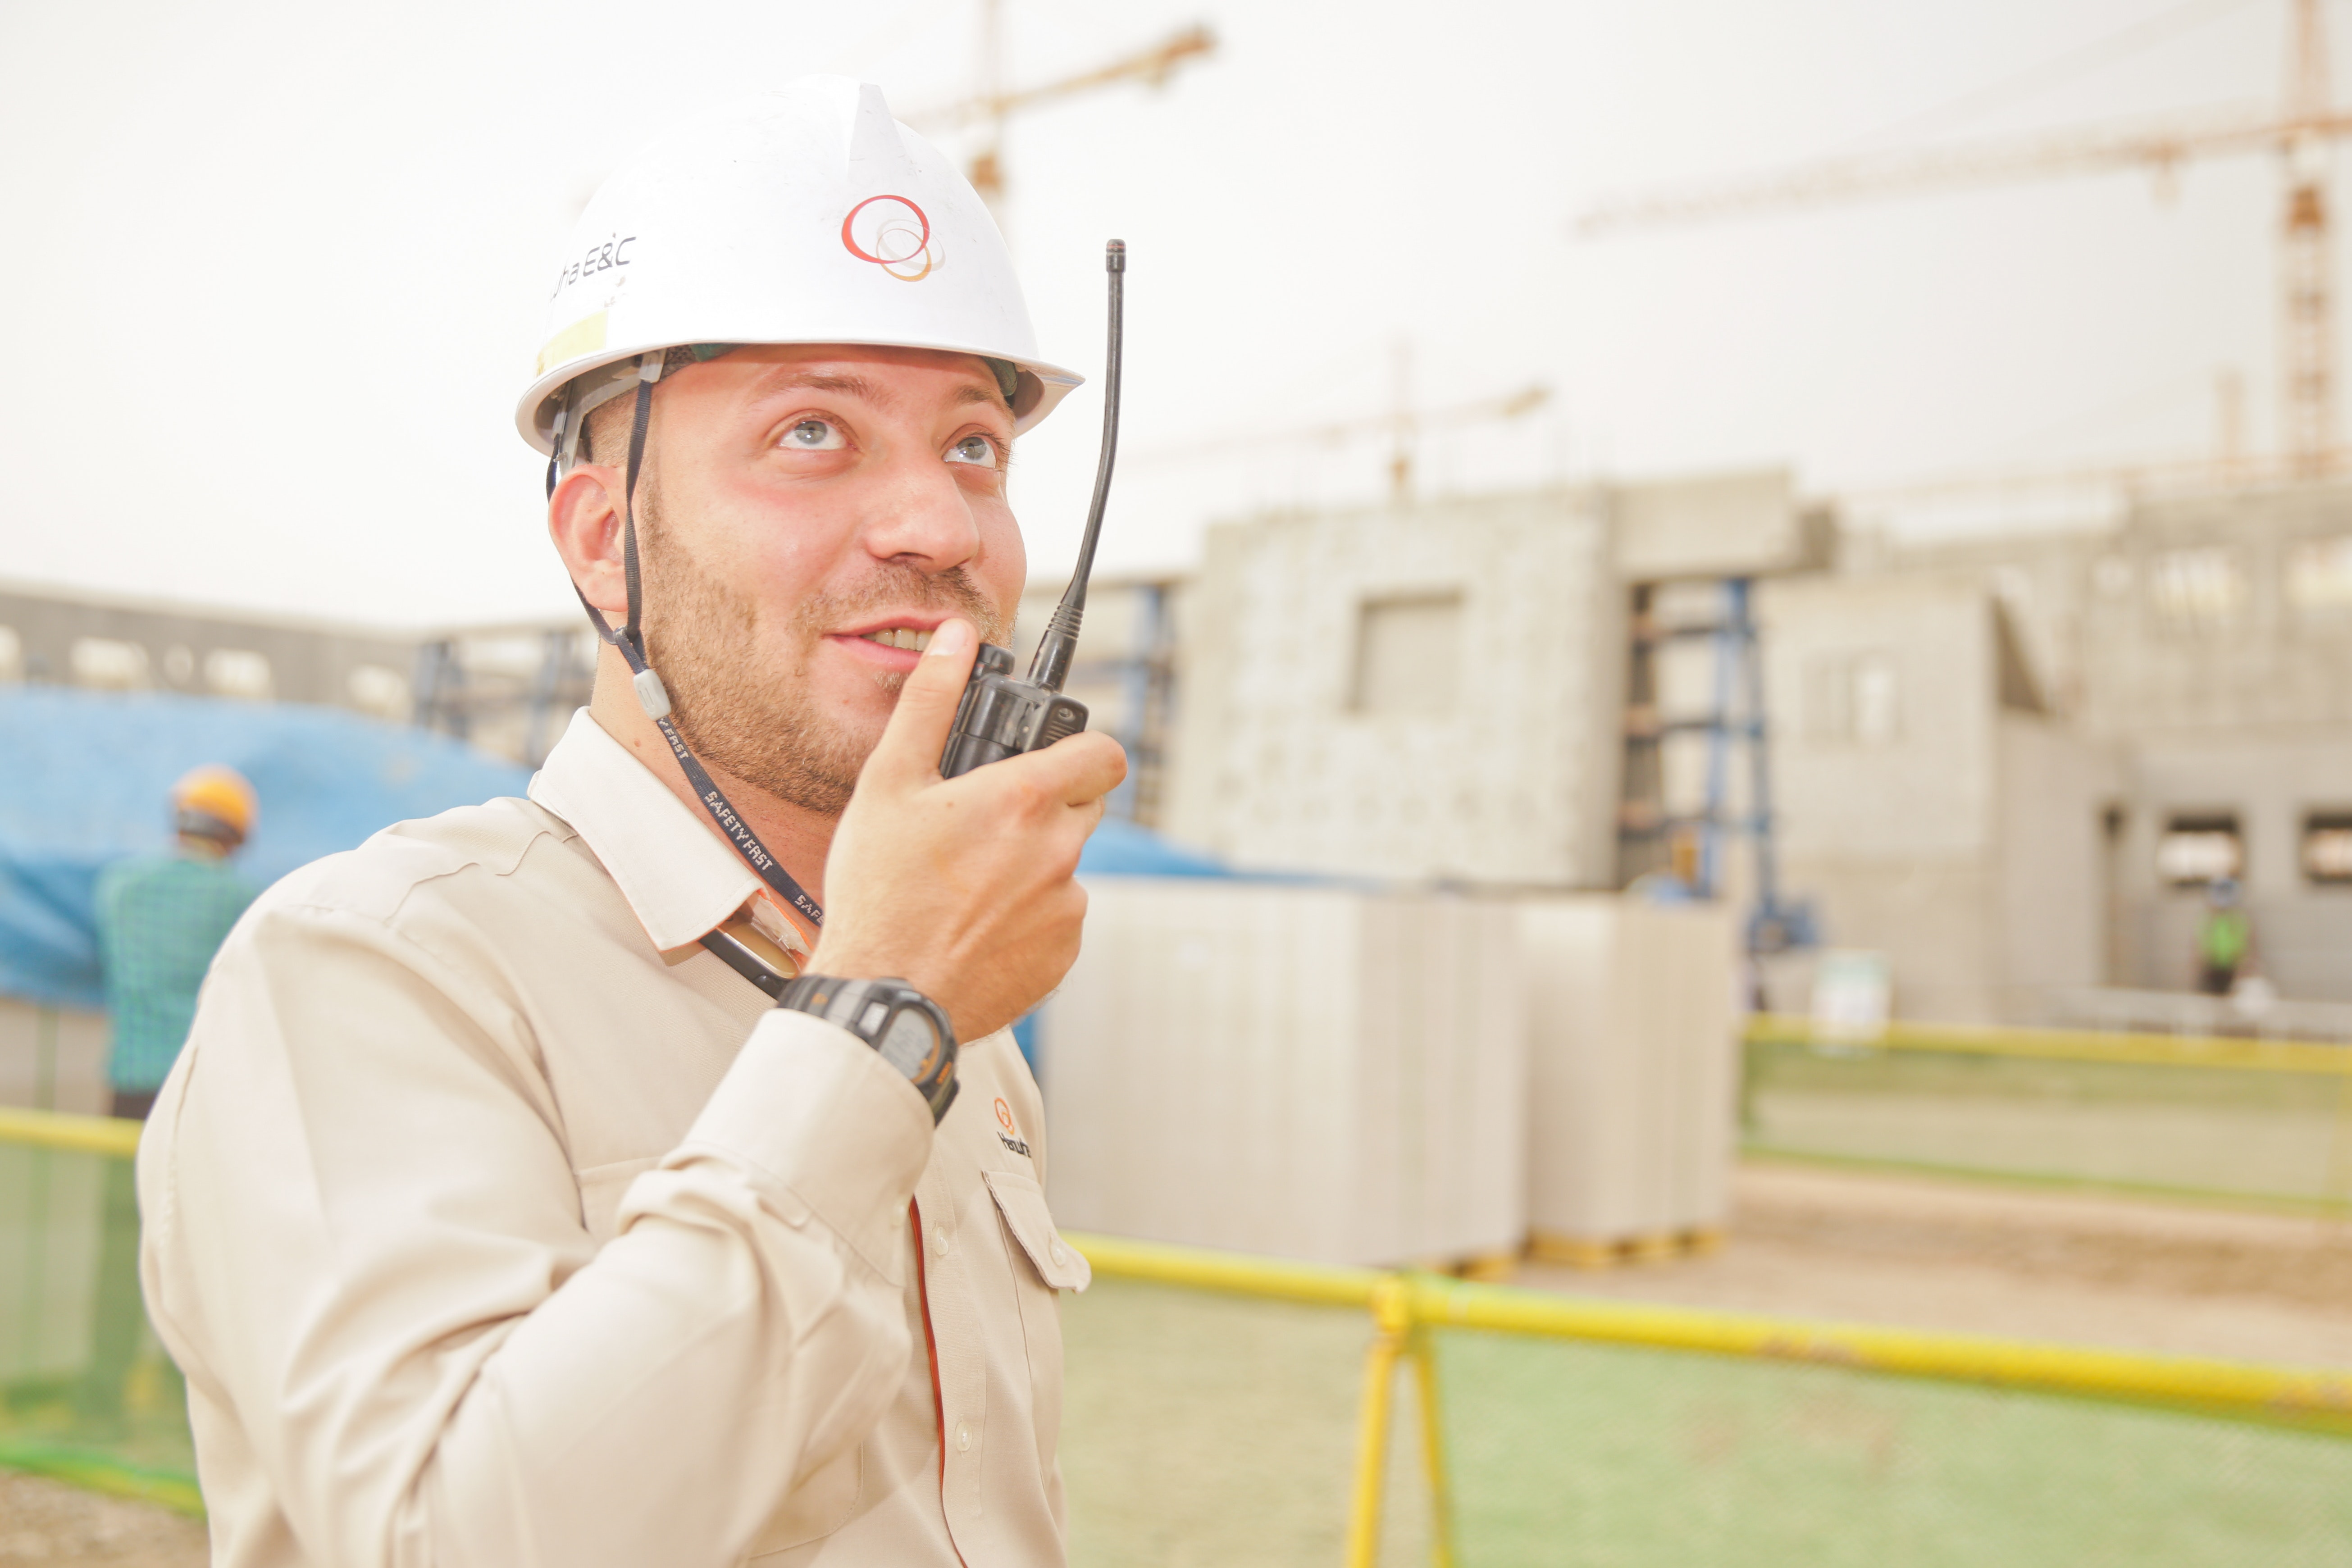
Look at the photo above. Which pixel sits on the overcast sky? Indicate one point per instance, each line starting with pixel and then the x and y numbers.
pixel 273 272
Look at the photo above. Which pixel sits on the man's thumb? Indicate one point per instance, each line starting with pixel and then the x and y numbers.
pixel 917 731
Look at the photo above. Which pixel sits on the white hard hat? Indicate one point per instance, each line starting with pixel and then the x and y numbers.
pixel 804 216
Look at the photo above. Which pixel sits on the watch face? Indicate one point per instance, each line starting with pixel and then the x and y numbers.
pixel 911 1043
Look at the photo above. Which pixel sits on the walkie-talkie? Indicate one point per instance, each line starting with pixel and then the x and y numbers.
pixel 1000 717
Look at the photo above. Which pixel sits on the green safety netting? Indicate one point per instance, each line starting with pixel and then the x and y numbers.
pixel 84 1390
pixel 1202 1429
pixel 1215 1429
pixel 1612 1458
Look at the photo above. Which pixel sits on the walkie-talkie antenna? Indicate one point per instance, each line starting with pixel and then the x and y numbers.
pixel 1055 649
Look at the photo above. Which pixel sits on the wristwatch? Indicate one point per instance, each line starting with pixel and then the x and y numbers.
pixel 906 1028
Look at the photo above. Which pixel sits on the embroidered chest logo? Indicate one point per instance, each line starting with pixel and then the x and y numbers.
pixel 893 234
pixel 1008 1134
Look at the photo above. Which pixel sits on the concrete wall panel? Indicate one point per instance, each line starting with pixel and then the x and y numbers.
pixel 1279 766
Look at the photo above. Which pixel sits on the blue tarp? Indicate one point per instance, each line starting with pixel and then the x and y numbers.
pixel 1120 848
pixel 84 779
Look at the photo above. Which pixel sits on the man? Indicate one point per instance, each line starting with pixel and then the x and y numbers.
pixel 2224 935
pixel 495 1215
pixel 160 918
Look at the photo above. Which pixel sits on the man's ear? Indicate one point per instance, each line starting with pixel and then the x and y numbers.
pixel 583 519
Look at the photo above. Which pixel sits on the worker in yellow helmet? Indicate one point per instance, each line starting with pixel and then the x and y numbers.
pixel 160 918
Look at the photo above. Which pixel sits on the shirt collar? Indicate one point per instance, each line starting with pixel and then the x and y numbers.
pixel 680 880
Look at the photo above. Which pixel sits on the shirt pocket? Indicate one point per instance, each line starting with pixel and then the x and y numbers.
pixel 601 1187
pixel 1023 1204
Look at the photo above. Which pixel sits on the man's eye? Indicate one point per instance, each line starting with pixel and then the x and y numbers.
pixel 975 449
pixel 815 435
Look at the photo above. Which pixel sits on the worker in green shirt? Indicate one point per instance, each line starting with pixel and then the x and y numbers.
pixel 160 918
pixel 2223 938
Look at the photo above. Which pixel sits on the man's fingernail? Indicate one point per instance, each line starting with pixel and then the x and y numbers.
pixel 952 640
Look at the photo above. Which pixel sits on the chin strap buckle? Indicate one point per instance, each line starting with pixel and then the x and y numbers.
pixel 652 695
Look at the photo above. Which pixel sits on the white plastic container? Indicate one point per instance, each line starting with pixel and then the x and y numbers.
pixel 1306 1072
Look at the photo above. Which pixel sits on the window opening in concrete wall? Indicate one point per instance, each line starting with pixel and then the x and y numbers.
pixel 1852 698
pixel 12 655
pixel 107 664
pixel 2319 577
pixel 514 654
pixel 237 672
pixel 2197 590
pixel 2328 847
pixel 378 690
pixel 2200 849
pixel 1408 656
pixel 2019 690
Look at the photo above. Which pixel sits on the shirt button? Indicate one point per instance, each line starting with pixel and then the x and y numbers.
pixel 939 1242
pixel 963 1437
pixel 1058 1253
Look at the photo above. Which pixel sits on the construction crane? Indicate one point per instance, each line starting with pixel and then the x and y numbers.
pixel 993 102
pixel 1403 426
pixel 2298 131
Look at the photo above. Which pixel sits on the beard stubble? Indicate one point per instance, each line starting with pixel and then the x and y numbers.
pixel 738 671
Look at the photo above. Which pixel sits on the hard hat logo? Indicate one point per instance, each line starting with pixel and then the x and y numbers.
pixel 894 234
pixel 762 221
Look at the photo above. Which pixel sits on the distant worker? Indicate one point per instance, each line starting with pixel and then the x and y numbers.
pixel 2223 938
pixel 160 918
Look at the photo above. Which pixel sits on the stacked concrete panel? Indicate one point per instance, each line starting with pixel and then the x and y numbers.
pixel 1304 1072
pixel 1499 767
pixel 1634 1065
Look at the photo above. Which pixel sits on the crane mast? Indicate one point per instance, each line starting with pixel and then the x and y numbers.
pixel 993 102
pixel 2307 339
pixel 2301 132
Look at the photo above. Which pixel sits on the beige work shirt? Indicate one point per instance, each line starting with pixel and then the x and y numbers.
pixel 497 1222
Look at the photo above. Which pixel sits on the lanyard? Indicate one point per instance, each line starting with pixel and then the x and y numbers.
pixel 722 811
pixel 630 640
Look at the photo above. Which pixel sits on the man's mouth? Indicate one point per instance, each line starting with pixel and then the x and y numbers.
pixel 900 637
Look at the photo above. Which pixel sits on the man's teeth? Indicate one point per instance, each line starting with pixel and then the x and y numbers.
pixel 900 637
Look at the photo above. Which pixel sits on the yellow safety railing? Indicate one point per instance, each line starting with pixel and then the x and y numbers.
pixel 1405 1308
pixel 61 1130
pixel 2062 1044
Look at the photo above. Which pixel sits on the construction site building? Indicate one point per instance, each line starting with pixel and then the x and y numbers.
pixel 508 689
pixel 2200 650
pixel 2014 765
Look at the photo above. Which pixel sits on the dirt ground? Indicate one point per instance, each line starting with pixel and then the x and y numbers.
pixel 45 1522
pixel 1804 1242
pixel 1977 1259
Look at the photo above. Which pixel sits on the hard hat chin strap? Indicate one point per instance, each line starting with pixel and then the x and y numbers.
pixel 640 420
pixel 652 696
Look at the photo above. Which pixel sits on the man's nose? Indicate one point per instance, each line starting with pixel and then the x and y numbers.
pixel 922 516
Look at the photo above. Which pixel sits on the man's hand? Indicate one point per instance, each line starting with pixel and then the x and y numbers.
pixel 963 888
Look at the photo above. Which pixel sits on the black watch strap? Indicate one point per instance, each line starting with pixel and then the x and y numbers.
pixel 906 1028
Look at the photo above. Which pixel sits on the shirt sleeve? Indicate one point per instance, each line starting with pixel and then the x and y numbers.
pixel 365 1247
